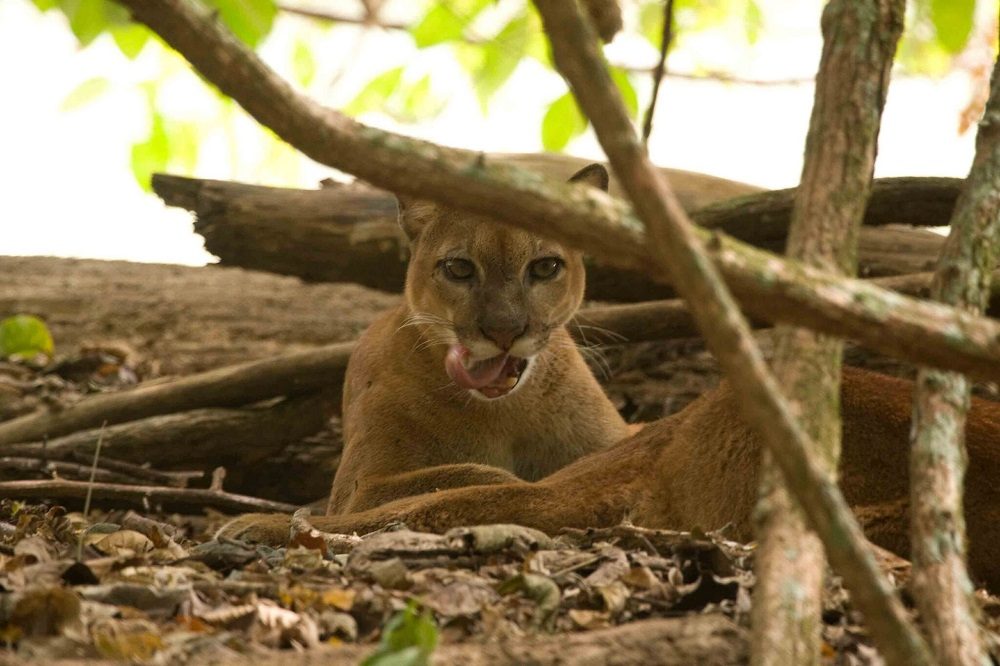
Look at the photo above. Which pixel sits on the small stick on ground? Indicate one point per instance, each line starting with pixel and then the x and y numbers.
pixel 90 489
pixel 116 493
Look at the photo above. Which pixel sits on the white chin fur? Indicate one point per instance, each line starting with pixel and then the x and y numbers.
pixel 520 382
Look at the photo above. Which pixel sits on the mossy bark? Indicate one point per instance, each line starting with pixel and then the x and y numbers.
pixel 938 462
pixel 859 42
pixel 674 242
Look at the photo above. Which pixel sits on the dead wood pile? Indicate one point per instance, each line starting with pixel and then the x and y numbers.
pixel 348 232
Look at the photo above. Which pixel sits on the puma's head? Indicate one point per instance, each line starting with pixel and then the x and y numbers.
pixel 491 293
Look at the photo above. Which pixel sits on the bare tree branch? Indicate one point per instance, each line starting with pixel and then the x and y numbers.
pixel 938 461
pixel 331 16
pixel 859 40
pixel 665 40
pixel 768 286
pixel 675 244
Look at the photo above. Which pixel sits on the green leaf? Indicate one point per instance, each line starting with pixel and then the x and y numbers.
pixel 375 94
pixel 446 21
pixel 151 155
pixel 303 63
pixel 624 84
pixel 501 56
pixel 651 22
pixel 182 146
pixel 45 5
pixel 87 18
pixel 130 38
pixel 562 123
pixel 953 20
pixel 753 21
pixel 408 639
pixel 249 20
pixel 25 335
pixel 85 93
pixel 420 103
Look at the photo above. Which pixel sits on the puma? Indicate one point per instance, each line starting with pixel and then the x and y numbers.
pixel 469 404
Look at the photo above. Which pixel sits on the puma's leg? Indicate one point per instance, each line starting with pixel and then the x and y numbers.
pixel 377 491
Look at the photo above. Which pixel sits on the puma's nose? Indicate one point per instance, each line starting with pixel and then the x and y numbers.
pixel 503 337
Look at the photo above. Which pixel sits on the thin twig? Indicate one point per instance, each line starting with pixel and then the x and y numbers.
pixel 176 479
pixel 674 243
pixel 122 493
pixel 330 16
pixel 665 41
pixel 64 470
pixel 90 488
pixel 369 21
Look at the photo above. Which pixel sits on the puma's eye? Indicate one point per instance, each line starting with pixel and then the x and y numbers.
pixel 546 268
pixel 458 270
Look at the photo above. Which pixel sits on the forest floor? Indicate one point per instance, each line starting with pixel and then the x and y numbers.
pixel 149 584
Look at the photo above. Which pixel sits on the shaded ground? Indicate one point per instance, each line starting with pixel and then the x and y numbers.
pixel 154 587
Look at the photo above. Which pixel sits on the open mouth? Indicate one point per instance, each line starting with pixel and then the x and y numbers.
pixel 492 377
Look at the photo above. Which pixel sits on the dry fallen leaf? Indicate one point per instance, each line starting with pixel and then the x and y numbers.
pixel 126 640
pixel 45 611
pixel 589 619
pixel 124 543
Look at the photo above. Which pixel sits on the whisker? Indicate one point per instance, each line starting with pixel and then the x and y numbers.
pixel 614 335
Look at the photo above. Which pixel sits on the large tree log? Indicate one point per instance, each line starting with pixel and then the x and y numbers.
pixel 244 441
pixel 348 233
pixel 183 319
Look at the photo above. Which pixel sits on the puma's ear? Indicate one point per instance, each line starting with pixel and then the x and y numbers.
pixel 594 175
pixel 414 214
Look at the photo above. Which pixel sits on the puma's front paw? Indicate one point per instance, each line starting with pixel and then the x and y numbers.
pixel 271 529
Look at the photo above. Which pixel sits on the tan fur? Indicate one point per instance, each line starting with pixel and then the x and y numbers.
pixel 698 468
pixel 404 418
pixel 419 449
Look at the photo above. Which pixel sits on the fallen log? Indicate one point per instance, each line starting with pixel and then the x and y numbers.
pixel 348 233
pixel 323 368
pixel 244 441
pixel 320 369
pixel 182 319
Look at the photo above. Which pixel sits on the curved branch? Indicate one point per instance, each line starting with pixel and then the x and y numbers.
pixel 582 217
pixel 675 243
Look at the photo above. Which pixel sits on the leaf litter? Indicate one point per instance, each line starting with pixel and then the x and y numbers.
pixel 159 589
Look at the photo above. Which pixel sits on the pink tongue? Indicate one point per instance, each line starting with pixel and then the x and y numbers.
pixel 479 375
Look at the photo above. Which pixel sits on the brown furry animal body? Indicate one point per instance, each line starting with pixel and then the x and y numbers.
pixel 469 404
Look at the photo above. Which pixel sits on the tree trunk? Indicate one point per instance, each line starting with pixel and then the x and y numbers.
pixel 674 243
pixel 859 40
pixel 937 467
pixel 348 233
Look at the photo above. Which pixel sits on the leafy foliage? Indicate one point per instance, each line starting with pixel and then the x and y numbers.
pixel 85 93
pixel 250 20
pixel 408 639
pixel 25 335
pixel 489 39
pixel 953 21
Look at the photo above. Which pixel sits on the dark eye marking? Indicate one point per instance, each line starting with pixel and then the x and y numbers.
pixel 457 270
pixel 545 268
